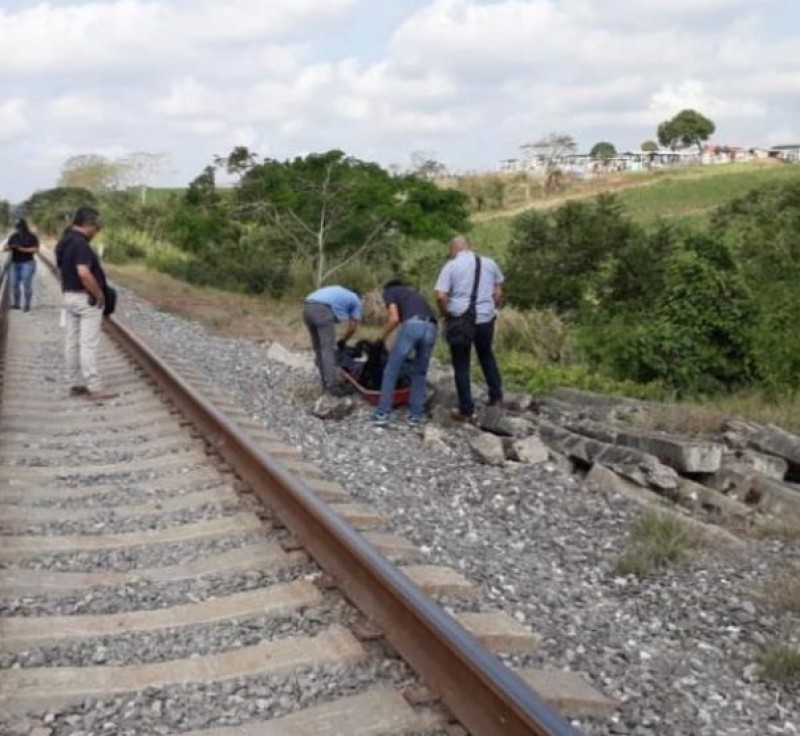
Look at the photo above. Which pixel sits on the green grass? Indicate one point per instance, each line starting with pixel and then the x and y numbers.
pixel 781 664
pixel 693 199
pixel 657 540
pixel 687 195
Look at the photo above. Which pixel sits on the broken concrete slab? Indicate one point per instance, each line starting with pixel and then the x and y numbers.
pixel 638 466
pixel 697 497
pixel 433 439
pixel 488 448
pixel 333 408
pixel 607 481
pixel 492 419
pixel 531 451
pixel 777 441
pixel 751 461
pixel 518 402
pixel 686 455
pixel 769 496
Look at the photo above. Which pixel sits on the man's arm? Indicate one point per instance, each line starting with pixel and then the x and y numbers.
pixel 391 322
pixel 497 293
pixel 442 300
pixel 352 326
pixel 90 284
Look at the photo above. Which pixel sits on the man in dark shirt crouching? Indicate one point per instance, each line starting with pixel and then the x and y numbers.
pixel 83 283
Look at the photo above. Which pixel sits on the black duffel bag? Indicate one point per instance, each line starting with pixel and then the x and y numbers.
pixel 110 297
pixel 460 329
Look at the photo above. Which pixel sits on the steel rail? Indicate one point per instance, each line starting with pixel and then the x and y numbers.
pixel 485 696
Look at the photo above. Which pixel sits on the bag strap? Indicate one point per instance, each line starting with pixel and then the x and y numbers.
pixel 474 297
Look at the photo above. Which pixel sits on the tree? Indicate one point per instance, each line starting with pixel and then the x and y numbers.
pixel 650 146
pixel 92 172
pixel 5 213
pixel 687 128
pixel 138 168
pixel 334 209
pixel 51 209
pixel 603 150
pixel 424 164
pixel 550 149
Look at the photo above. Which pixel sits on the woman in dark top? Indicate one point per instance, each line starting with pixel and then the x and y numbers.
pixel 23 245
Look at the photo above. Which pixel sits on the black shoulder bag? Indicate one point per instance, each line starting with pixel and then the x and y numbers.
pixel 460 330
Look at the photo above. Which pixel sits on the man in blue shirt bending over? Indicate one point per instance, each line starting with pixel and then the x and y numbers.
pixel 324 308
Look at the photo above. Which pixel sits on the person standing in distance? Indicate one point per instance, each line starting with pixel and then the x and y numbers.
pixel 83 283
pixel 417 334
pixel 24 245
pixel 464 276
pixel 323 309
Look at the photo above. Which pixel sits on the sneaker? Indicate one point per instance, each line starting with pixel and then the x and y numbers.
pixel 339 391
pixel 78 391
pixel 414 421
pixel 379 418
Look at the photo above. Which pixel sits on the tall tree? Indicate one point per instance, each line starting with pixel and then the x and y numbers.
pixel 51 209
pixel 603 150
pixel 550 149
pixel 138 168
pixel 5 213
pixel 650 146
pixel 687 128
pixel 335 209
pixel 92 172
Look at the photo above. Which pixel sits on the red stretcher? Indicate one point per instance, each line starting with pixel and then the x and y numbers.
pixel 401 395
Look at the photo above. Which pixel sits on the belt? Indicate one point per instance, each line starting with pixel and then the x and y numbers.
pixel 417 318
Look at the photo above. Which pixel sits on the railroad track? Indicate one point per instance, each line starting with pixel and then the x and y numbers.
pixel 167 566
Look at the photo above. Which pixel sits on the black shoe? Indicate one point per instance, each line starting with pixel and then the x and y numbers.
pixel 337 391
pixel 26 309
pixel 15 306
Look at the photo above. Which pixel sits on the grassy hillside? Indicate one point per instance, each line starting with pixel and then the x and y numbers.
pixel 689 195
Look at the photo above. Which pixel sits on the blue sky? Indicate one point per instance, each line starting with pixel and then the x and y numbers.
pixel 462 80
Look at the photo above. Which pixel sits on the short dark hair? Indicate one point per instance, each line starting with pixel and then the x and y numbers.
pixel 393 282
pixel 86 216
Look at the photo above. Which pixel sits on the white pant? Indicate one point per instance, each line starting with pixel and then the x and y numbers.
pixel 84 324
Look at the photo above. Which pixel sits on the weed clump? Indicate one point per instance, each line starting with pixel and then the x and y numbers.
pixel 657 541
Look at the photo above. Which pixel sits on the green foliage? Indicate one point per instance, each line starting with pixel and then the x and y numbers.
pixel 762 229
pixel 603 150
pixel 556 258
pixel 5 213
pixel 52 209
pixel 657 541
pixel 334 209
pixel 687 128
pixel 649 146
pixel 539 333
pixel 781 664
pixel 527 373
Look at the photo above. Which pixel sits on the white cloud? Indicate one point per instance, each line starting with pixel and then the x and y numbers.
pixel 78 108
pixel 112 35
pixel 13 119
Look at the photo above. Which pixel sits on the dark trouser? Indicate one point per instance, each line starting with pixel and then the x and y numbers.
pixel 321 326
pixel 461 355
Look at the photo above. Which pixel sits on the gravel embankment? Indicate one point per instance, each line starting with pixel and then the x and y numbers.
pixel 677 650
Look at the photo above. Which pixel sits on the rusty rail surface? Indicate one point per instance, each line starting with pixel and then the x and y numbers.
pixel 485 696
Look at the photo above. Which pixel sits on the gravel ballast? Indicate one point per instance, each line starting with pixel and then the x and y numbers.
pixel 678 649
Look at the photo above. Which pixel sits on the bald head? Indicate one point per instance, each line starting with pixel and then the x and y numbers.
pixel 458 245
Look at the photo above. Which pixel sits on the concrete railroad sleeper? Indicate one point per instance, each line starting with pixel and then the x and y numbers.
pixel 485 696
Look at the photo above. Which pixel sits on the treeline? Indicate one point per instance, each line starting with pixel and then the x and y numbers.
pixel 689 310
pixel 279 226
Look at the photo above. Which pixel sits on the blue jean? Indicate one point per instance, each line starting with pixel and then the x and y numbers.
pixel 22 280
pixel 417 335
pixel 461 355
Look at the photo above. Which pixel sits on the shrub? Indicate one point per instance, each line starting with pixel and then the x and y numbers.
pixel 657 541
pixel 781 664
pixel 540 333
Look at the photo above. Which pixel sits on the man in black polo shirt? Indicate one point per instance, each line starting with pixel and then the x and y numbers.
pixel 83 283
pixel 408 310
